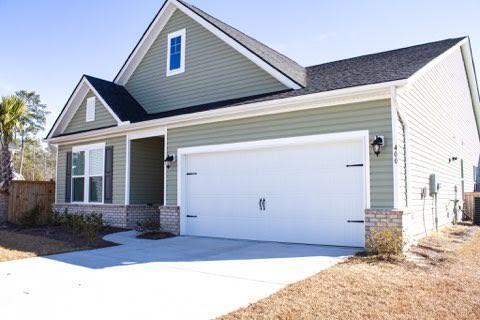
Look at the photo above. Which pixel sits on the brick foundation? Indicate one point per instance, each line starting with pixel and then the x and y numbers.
pixel 141 213
pixel 382 219
pixel 170 219
pixel 114 215
pixel 3 207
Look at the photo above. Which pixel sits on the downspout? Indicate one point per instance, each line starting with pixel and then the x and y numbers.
pixel 397 112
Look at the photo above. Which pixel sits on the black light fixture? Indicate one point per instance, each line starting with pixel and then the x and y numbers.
pixel 169 160
pixel 377 144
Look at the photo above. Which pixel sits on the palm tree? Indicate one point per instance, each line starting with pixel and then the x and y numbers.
pixel 12 110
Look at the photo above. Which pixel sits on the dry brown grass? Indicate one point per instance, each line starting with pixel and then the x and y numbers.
pixel 15 246
pixel 440 281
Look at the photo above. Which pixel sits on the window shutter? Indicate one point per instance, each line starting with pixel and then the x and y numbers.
pixel 108 198
pixel 68 178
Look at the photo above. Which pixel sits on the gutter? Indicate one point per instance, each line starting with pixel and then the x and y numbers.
pixel 316 100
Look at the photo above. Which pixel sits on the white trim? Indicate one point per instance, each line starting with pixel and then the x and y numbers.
pixel 90 109
pixel 88 147
pixel 393 116
pixel 156 132
pixel 105 104
pixel 127 169
pixel 430 65
pixel 472 81
pixel 406 134
pixel 240 48
pixel 56 176
pixel 159 23
pixel 182 153
pixel 312 101
pixel 165 153
pixel 147 133
pixel 145 43
pixel 86 174
pixel 183 35
pixel 75 101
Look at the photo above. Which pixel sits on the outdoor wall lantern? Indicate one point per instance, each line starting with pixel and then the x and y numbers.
pixel 169 160
pixel 377 144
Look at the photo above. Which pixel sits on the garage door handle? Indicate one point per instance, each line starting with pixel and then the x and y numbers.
pixel 190 216
pixel 261 204
pixel 356 221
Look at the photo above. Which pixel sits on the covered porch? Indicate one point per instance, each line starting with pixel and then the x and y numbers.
pixel 145 176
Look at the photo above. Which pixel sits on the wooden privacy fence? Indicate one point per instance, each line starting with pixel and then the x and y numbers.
pixel 28 195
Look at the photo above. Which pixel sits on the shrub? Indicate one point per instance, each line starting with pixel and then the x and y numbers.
pixel 31 218
pixel 386 242
pixel 88 225
pixel 92 225
pixel 56 219
pixel 73 223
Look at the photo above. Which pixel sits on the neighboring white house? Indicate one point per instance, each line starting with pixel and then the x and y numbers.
pixel 230 138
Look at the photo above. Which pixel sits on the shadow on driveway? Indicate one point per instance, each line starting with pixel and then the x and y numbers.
pixel 194 249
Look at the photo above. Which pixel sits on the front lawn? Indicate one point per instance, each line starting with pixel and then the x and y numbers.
pixel 19 242
pixel 440 279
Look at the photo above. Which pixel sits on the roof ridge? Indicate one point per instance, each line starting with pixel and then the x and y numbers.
pixel 235 28
pixel 387 51
pixel 277 60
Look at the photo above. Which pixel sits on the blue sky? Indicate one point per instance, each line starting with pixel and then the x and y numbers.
pixel 47 45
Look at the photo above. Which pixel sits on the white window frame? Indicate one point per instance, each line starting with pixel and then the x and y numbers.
pixel 86 174
pixel 183 34
pixel 90 109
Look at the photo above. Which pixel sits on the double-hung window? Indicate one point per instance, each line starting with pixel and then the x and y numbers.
pixel 176 52
pixel 88 164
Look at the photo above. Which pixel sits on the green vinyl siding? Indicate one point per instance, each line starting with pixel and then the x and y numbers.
pixel 372 116
pixel 103 118
pixel 119 153
pixel 214 71
pixel 146 171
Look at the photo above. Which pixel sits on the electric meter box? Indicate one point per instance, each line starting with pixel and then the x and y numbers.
pixel 433 184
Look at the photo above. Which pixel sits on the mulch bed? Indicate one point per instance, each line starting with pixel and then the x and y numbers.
pixel 60 234
pixel 155 235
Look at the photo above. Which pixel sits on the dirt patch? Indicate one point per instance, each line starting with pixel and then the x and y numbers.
pixel 20 242
pixel 155 235
pixel 443 285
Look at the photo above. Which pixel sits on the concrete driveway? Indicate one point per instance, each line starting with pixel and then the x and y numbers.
pixel 177 278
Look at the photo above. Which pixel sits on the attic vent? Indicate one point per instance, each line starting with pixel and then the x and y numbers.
pixel 90 109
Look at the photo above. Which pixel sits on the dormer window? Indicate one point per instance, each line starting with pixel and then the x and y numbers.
pixel 90 109
pixel 176 53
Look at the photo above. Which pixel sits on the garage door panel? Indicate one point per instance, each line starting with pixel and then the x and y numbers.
pixel 310 194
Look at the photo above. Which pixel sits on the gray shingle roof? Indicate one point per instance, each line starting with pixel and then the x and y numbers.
pixel 364 70
pixel 282 63
pixel 119 100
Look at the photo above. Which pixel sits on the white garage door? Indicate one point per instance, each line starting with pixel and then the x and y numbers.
pixel 304 193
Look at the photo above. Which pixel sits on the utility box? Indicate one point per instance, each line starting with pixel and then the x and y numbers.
pixel 433 185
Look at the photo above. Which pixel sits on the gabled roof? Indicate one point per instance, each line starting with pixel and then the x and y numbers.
pixel 119 100
pixel 359 71
pixel 364 70
pixel 116 99
pixel 285 70
pixel 281 62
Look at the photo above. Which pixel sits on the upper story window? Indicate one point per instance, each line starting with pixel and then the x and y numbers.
pixel 176 53
pixel 90 109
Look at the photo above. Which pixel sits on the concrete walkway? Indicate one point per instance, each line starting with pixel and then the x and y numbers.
pixel 177 278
